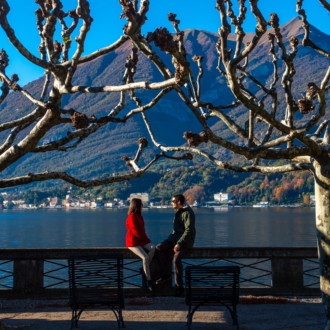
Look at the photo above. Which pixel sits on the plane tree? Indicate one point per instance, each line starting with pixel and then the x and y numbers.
pixel 297 147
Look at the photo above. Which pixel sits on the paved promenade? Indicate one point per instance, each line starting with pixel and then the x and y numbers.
pixel 267 313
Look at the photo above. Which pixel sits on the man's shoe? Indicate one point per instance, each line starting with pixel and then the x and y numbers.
pixel 149 285
pixel 179 292
pixel 164 279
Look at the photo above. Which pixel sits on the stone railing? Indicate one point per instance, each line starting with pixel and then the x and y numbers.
pixel 42 273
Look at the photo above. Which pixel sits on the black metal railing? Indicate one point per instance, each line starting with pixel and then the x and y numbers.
pixel 6 274
pixel 262 270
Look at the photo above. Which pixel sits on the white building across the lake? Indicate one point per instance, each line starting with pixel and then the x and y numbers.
pixel 145 197
pixel 222 197
pixel 312 199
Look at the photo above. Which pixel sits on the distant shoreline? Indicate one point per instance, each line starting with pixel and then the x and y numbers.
pixel 223 207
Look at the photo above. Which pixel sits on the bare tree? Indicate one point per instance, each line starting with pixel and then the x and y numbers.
pixel 312 153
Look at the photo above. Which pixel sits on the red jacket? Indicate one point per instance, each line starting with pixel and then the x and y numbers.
pixel 136 235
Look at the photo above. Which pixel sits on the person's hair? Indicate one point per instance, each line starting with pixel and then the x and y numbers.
pixel 179 198
pixel 135 206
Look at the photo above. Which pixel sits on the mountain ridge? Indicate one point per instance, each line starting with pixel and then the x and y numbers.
pixel 170 118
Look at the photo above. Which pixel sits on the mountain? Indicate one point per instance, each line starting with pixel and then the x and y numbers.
pixel 170 118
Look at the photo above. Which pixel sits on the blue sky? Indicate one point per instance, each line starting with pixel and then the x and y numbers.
pixel 107 27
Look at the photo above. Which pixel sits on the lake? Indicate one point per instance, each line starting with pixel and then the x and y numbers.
pixel 250 227
pixel 234 227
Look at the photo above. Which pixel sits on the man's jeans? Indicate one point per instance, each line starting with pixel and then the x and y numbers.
pixel 161 250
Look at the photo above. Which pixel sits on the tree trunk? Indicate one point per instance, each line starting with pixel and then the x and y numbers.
pixel 322 208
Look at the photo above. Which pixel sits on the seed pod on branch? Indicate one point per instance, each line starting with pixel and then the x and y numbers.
pixel 294 42
pixel 4 60
pixel 172 18
pixel 143 142
pixel 128 9
pixel 79 120
pixel 163 40
pixel 197 58
pixel 127 160
pixel 305 106
pixel 194 139
pixel 73 14
pixel 13 86
pixel 274 23
pixel 14 78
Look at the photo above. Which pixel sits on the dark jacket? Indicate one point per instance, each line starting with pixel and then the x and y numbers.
pixel 184 231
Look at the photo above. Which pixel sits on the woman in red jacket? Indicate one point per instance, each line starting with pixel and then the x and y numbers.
pixel 136 238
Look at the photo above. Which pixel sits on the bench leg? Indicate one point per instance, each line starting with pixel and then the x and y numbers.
pixel 117 314
pixel 121 318
pixel 75 318
pixel 191 315
pixel 189 311
pixel 235 319
pixel 72 320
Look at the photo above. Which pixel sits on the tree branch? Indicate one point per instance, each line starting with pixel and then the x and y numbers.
pixel 70 179
pixel 15 87
pixel 270 169
pixel 14 153
pixel 4 9
pixel 306 41
pixel 137 85
pixel 4 91
pixel 83 12
pixel 280 153
pixel 37 113
pixel 261 28
pixel 99 52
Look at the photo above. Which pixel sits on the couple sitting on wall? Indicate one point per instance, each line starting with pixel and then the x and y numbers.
pixel 181 240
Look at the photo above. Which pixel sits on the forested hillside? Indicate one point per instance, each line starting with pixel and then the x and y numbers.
pixel 100 154
pixel 198 183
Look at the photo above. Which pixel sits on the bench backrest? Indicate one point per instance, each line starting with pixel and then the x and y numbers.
pixel 214 284
pixel 96 279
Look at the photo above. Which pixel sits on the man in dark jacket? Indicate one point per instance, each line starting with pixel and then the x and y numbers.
pixel 181 240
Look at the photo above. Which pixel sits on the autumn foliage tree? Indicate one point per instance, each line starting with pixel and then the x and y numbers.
pixel 196 193
pixel 312 153
pixel 307 199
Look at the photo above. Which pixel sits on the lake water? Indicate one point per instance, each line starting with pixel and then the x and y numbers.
pixel 235 227
pixel 267 227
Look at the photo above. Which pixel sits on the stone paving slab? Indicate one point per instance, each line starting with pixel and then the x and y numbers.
pixel 170 313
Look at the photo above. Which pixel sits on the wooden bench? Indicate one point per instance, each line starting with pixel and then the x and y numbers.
pixel 212 286
pixel 96 280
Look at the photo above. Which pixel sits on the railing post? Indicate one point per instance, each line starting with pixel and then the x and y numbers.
pixel 29 276
pixel 287 273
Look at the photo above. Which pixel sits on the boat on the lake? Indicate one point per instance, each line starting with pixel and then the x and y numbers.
pixel 261 204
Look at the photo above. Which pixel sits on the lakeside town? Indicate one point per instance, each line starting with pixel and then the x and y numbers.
pixel 220 201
